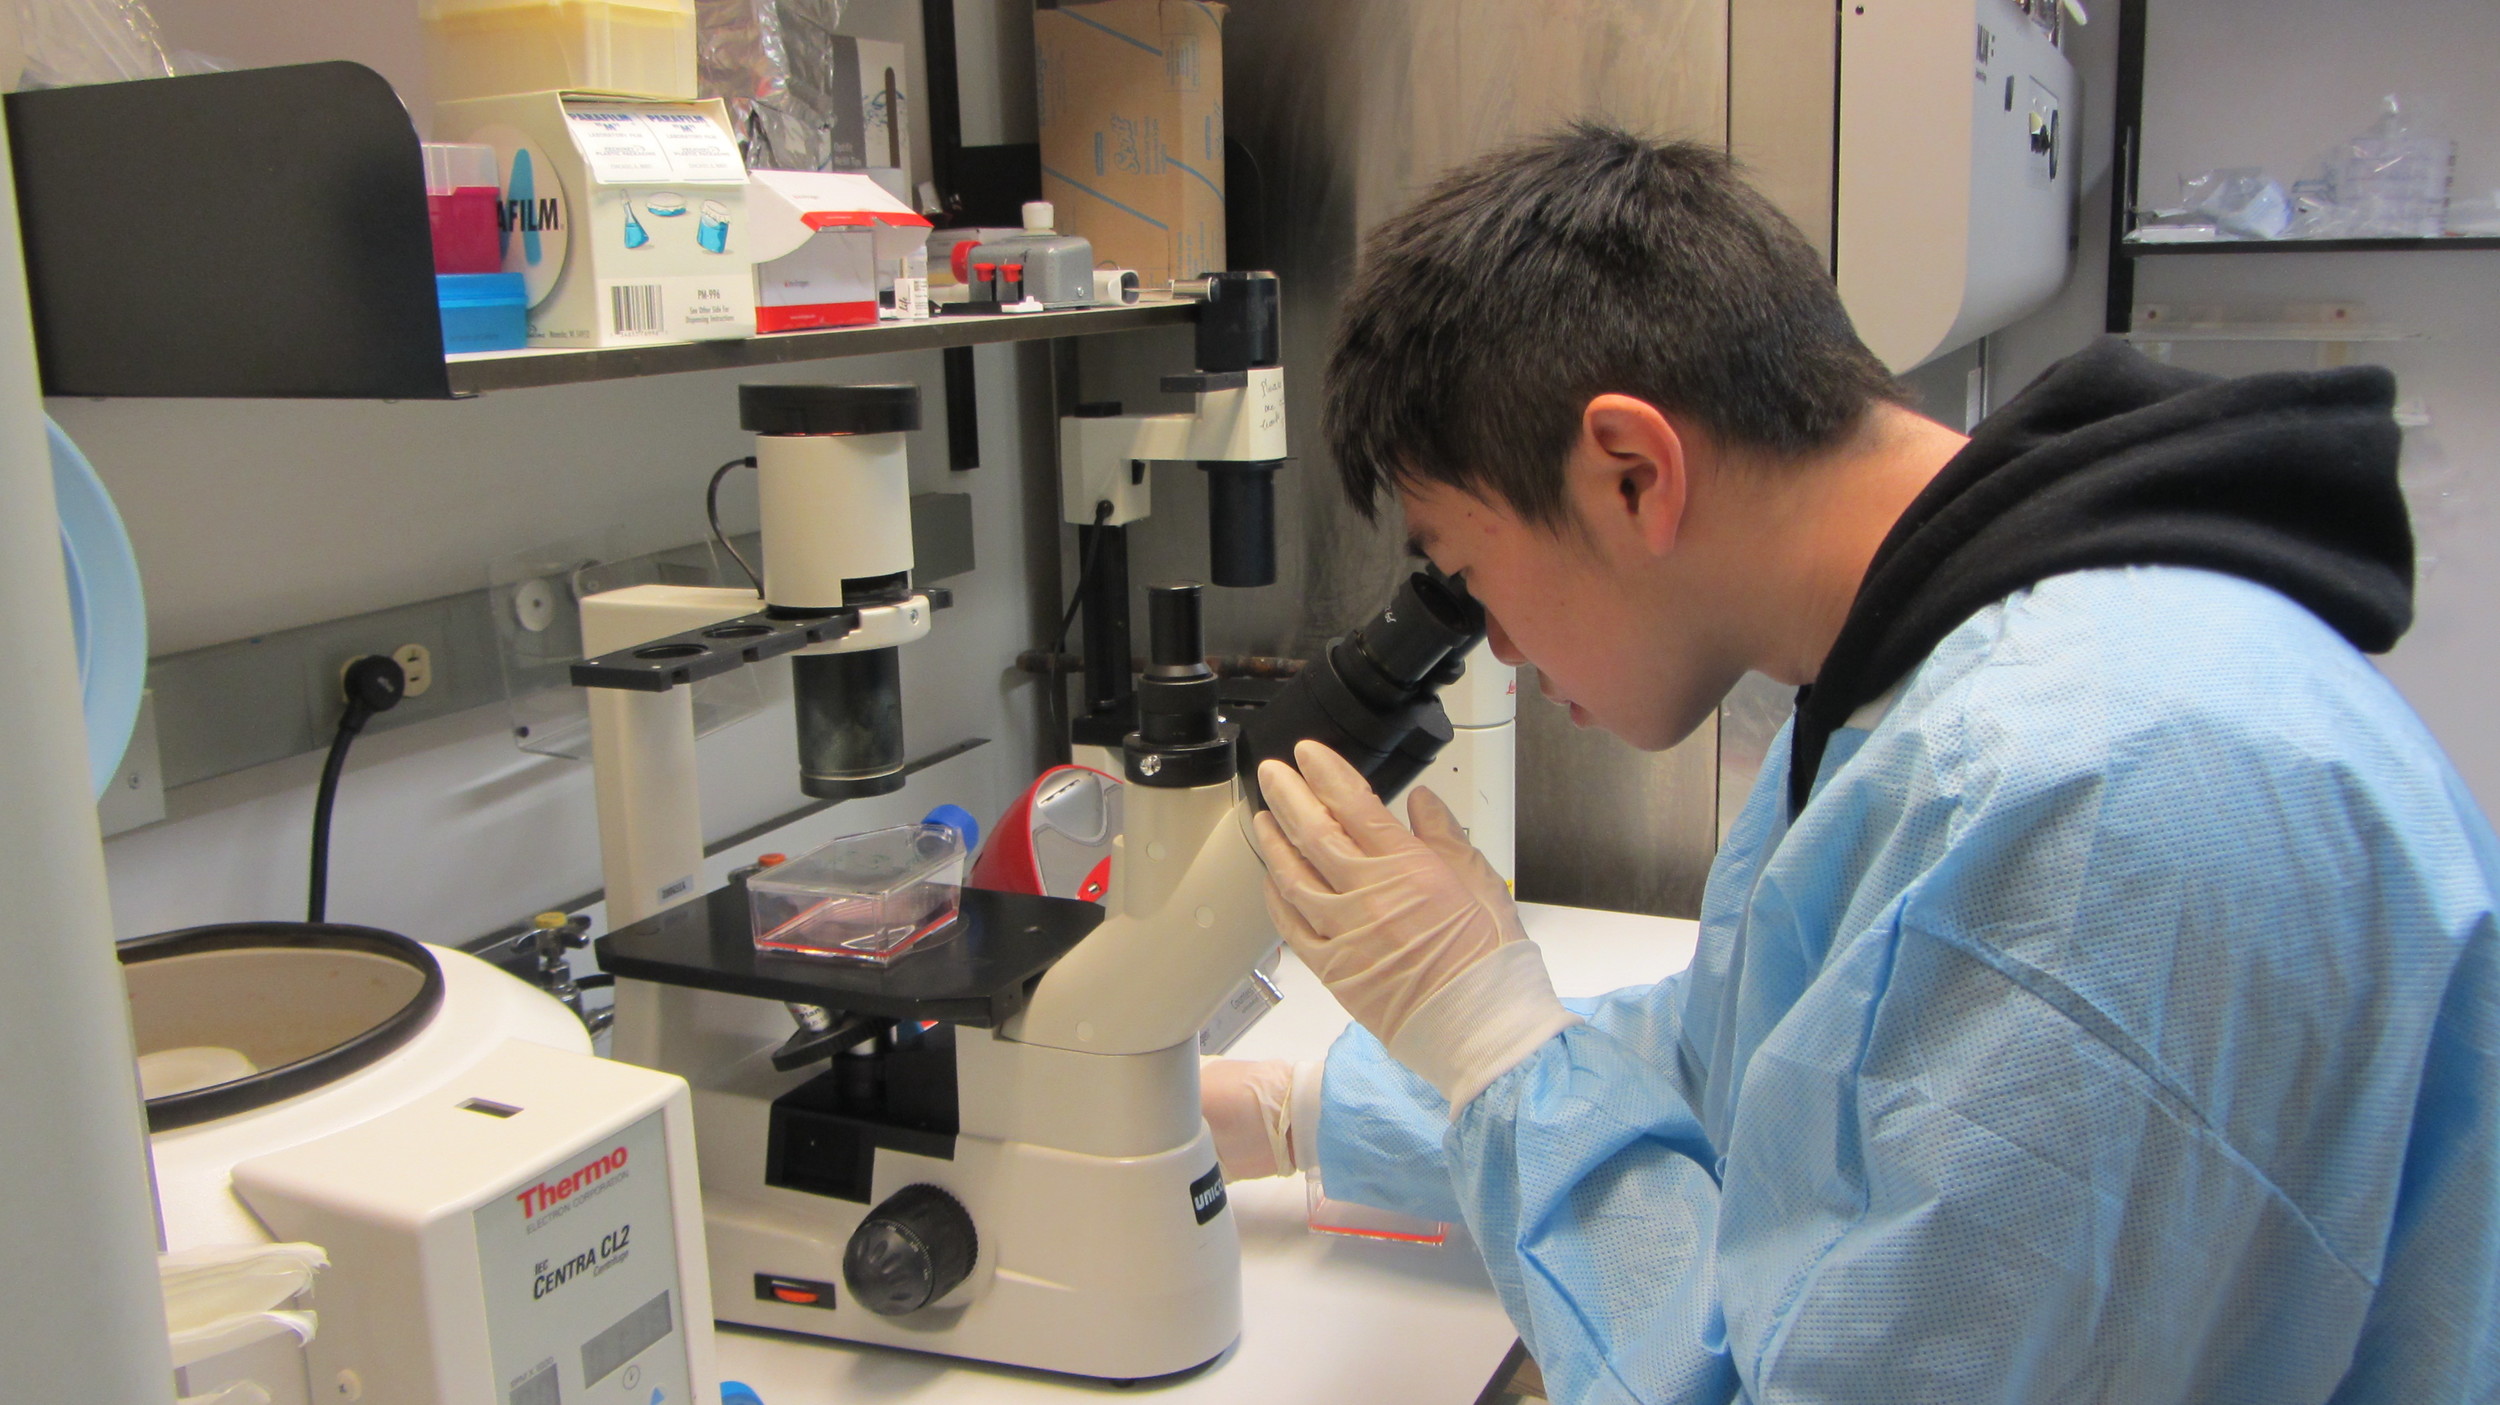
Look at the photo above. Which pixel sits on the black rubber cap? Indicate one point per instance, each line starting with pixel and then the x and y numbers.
pixel 1173 630
pixel 1241 324
pixel 829 409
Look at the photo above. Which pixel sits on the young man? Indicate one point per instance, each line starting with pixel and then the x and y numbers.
pixel 2099 997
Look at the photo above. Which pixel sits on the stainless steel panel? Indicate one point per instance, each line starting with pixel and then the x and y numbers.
pixel 1604 825
pixel 1348 110
pixel 1782 94
pixel 1749 720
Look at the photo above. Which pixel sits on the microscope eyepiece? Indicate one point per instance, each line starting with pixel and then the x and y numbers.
pixel 1370 697
pixel 1431 620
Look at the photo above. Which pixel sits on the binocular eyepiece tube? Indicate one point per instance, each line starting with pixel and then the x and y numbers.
pixel 1372 697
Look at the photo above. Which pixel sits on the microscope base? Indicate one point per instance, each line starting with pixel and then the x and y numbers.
pixel 1088 1265
pixel 1103 1242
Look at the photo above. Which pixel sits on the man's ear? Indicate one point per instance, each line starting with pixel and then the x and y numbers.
pixel 1629 474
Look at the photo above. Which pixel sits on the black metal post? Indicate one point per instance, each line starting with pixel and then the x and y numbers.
pixel 1110 692
pixel 963 410
pixel 2127 137
pixel 943 103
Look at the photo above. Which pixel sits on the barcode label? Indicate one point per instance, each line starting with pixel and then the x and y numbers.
pixel 539 1387
pixel 634 309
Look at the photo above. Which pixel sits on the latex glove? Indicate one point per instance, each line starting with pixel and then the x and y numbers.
pixel 1411 930
pixel 1264 1114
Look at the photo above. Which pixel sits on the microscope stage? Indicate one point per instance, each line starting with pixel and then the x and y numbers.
pixel 978 972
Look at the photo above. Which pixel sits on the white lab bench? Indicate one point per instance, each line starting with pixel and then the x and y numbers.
pixel 1324 1319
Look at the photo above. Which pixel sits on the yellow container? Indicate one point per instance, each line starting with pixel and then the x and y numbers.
pixel 493 48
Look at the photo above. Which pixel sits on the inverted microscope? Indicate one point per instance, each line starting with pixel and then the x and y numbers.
pixel 991 1147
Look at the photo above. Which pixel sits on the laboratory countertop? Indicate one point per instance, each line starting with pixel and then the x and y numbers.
pixel 1324 1319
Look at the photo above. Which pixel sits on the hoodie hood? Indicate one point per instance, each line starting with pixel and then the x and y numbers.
pixel 2113 459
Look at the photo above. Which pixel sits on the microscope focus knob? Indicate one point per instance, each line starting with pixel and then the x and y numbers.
pixel 910 1251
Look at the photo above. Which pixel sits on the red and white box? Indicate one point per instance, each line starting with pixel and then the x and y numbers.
pixel 824 242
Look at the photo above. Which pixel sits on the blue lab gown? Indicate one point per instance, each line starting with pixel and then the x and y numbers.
pixel 2120 1021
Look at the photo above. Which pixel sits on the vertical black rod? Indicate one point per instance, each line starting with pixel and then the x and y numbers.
pixel 963 410
pixel 1108 687
pixel 894 123
pixel 1065 393
pixel 944 101
pixel 2127 149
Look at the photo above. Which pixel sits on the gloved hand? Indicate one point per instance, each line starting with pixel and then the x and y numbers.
pixel 1412 931
pixel 1255 1108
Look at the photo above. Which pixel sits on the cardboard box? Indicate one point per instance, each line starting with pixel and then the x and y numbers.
pixel 626 216
pixel 1132 111
pixel 821 240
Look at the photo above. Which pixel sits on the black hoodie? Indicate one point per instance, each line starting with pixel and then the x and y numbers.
pixel 2112 459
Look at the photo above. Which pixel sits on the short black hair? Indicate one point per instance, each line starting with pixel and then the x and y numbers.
pixel 1483 319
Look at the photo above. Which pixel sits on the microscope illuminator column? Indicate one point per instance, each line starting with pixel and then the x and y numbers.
pixel 835 482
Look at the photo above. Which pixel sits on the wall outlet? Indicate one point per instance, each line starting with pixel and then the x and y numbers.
pixel 417 638
pixel 417 662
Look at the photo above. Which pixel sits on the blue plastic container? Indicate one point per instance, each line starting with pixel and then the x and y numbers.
pixel 483 311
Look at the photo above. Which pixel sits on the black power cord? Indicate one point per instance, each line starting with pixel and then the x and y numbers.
pixel 1058 709
pixel 374 683
pixel 711 511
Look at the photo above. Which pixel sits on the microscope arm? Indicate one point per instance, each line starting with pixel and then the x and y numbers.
pixel 642 749
pixel 1233 423
pixel 1188 924
pixel 1191 917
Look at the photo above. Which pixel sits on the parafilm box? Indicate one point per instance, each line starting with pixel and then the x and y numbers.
pixel 627 217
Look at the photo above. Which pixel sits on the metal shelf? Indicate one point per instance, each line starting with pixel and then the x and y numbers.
pixel 132 301
pixel 2126 151
pixel 480 372
pixel 2141 249
pixel 2269 331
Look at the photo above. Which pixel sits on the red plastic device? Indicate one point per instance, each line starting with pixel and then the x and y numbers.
pixel 1055 840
